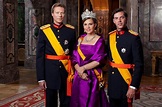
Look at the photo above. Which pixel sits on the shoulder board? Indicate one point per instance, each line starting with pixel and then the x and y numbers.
pixel 69 26
pixel 45 26
pixel 134 33
pixel 112 32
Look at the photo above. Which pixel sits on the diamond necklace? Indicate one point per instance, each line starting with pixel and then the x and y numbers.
pixel 89 39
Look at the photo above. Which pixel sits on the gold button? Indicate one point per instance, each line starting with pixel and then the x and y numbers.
pixel 58 30
pixel 112 72
pixel 58 36
pixel 60 66
pixel 117 36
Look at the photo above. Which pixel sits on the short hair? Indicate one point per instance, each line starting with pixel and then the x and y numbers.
pixel 57 5
pixel 119 10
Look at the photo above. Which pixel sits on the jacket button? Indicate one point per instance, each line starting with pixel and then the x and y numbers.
pixel 60 66
pixel 112 72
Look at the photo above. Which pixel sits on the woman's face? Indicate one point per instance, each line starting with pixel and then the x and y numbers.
pixel 89 26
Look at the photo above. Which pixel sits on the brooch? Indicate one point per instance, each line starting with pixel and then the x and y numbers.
pixel 79 42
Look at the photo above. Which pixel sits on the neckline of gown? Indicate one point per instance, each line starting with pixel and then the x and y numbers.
pixel 91 44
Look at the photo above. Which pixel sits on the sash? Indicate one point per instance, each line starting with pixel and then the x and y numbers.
pixel 79 50
pixel 59 51
pixel 117 59
pixel 98 75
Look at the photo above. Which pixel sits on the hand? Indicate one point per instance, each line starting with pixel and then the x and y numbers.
pixel 81 71
pixel 84 76
pixel 130 93
pixel 42 84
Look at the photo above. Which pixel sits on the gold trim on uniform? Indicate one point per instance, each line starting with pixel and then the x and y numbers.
pixel 133 32
pixel 45 26
pixel 69 26
pixel 112 32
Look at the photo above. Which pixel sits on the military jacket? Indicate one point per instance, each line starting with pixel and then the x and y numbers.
pixel 53 71
pixel 129 47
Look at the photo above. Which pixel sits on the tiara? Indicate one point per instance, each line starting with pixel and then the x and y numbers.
pixel 87 14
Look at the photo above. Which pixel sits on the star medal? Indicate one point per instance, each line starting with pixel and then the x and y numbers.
pixel 123 50
pixel 65 42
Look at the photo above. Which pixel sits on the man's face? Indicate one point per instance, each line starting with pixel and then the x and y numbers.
pixel 120 20
pixel 58 15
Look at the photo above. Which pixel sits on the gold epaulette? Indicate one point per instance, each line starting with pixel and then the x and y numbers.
pixel 133 32
pixel 45 26
pixel 69 26
pixel 112 32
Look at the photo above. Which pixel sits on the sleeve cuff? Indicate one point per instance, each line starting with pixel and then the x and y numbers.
pixel 41 80
pixel 132 87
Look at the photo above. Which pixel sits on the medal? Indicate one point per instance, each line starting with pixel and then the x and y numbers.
pixel 101 84
pixel 65 42
pixel 123 50
pixel 66 51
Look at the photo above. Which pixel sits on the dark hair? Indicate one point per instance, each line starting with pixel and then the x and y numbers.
pixel 57 5
pixel 119 10
pixel 94 20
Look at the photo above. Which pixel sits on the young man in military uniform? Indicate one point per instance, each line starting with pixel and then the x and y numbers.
pixel 54 48
pixel 125 55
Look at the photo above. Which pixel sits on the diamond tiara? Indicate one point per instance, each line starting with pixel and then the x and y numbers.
pixel 88 14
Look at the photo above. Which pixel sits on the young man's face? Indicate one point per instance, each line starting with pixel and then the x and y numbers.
pixel 58 15
pixel 120 20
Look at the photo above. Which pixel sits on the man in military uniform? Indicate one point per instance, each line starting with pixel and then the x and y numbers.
pixel 125 56
pixel 54 47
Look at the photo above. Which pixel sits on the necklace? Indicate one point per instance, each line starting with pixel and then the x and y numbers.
pixel 89 39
